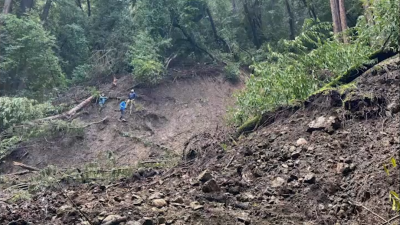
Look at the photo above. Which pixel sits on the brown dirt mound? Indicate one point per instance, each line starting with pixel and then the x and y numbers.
pixel 288 172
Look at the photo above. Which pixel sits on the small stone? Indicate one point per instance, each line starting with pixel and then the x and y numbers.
pixel 244 218
pixel 137 200
pixel 309 178
pixel 159 203
pixel 394 107
pixel 133 223
pixel 196 205
pixel 321 207
pixel 295 155
pixel 156 195
pixel 178 200
pixel 205 176
pixel 292 148
pixel 278 182
pixel 210 186
pixel 113 219
pixel 246 197
pixel 301 142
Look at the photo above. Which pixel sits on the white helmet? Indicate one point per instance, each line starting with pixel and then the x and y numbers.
pixel 132 90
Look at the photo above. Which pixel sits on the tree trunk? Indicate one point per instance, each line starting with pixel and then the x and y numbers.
pixel 7 6
pixel 46 10
pixel 234 7
pixel 311 9
pixel 79 4
pixel 343 20
pixel 89 8
pixel 251 24
pixel 291 20
pixel 218 39
pixel 26 4
pixel 335 16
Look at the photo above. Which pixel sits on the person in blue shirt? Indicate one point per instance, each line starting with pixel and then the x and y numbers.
pixel 131 99
pixel 102 101
pixel 122 107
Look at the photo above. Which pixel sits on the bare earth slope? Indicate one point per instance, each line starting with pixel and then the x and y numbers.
pixel 167 115
pixel 283 173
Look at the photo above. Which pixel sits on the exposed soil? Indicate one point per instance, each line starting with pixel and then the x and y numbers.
pixel 286 172
pixel 166 116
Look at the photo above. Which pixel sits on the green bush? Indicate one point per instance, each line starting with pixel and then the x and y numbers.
pixel 232 72
pixel 294 72
pixel 17 110
pixel 81 73
pixel 145 58
pixel 147 71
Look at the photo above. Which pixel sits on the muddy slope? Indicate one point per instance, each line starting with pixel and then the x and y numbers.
pixel 186 105
pixel 287 172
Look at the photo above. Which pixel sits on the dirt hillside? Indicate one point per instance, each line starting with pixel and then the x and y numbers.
pixel 194 101
pixel 319 163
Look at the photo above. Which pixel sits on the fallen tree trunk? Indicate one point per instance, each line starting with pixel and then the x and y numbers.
pixel 31 168
pixel 71 112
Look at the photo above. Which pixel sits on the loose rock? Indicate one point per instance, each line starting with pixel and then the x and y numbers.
pixel 205 176
pixel 278 182
pixel 210 186
pixel 309 178
pixel 196 205
pixel 159 203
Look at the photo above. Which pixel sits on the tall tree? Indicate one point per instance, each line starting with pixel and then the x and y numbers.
pixel 337 27
pixel 7 6
pixel 26 4
pixel 89 8
pixel 291 20
pixel 343 19
pixel 339 18
pixel 46 10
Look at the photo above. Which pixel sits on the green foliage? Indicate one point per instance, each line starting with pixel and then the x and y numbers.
pixel 232 72
pixel 145 58
pixel 81 73
pixel 393 196
pixel 295 69
pixel 17 110
pixel 383 31
pixel 28 59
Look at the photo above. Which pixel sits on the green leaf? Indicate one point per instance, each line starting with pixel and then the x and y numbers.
pixel 386 169
pixel 393 162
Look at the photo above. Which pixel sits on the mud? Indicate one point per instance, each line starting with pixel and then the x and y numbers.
pixel 165 117
pixel 283 173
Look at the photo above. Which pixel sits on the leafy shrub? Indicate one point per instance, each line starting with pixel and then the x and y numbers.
pixel 294 74
pixel 232 72
pixel 17 110
pixel 145 58
pixel 81 73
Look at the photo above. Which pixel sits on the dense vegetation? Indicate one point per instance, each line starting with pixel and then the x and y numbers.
pixel 47 46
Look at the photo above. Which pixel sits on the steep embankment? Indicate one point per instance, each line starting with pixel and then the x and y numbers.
pixel 169 114
pixel 289 171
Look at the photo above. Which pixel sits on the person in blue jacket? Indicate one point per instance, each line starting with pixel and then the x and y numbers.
pixel 102 101
pixel 122 107
pixel 131 100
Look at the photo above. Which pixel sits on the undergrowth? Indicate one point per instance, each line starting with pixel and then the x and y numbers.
pixel 295 69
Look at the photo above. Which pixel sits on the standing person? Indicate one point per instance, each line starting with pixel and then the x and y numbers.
pixel 102 101
pixel 122 107
pixel 131 99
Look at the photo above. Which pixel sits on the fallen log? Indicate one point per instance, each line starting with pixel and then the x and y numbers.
pixel 71 112
pixel 31 168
